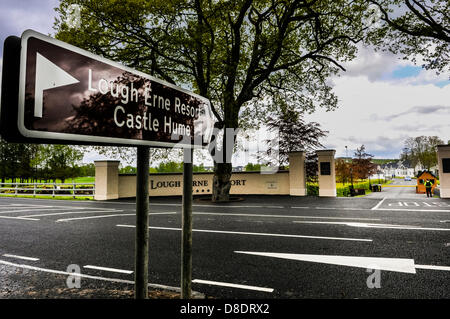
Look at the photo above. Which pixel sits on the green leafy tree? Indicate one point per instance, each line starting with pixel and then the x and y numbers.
pixel 343 171
pixel 251 167
pixel 415 28
pixel 236 53
pixel 294 133
pixel 128 170
pixel 421 150
pixel 60 161
pixel 170 167
pixel 362 165
pixel 87 170
pixel 19 161
pixel 199 168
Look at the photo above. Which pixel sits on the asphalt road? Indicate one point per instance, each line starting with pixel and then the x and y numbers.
pixel 262 247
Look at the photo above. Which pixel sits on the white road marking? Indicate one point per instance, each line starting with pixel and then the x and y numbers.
pixel 93 217
pixel 206 205
pixel 403 265
pixel 389 264
pixel 253 234
pixel 225 284
pixel 21 257
pixel 379 204
pixel 284 216
pixel 21 206
pixel 415 204
pixel 122 271
pixel 341 208
pixel 21 218
pixel 52 271
pixel 415 210
pixel 238 206
pixel 67 213
pixel 27 210
pixel 301 207
pixel 432 267
pixel 106 216
pixel 366 225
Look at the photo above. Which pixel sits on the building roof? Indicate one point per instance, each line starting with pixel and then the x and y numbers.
pixel 397 165
pixel 423 172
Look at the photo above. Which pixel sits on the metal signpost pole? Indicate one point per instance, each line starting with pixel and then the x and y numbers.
pixel 142 210
pixel 186 225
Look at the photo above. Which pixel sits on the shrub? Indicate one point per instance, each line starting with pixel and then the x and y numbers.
pixel 312 190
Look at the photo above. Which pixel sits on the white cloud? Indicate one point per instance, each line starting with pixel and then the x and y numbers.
pixel 426 77
pixel 382 115
pixel 372 64
pixel 17 16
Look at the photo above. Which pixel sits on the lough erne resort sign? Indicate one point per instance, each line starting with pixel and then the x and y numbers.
pixel 55 92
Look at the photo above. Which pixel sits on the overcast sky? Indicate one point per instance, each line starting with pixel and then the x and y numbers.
pixel 382 98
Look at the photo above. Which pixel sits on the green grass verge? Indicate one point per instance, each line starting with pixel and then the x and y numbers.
pixel 51 197
pixel 86 179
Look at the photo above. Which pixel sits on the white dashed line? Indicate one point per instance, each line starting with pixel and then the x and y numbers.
pixel 254 234
pixel 283 216
pixel 432 267
pixel 415 210
pixel 379 204
pixel 66 213
pixel 27 210
pixel 383 226
pixel 121 271
pixel 21 218
pixel 20 257
pixel 225 284
pixel 106 216
pixel 52 271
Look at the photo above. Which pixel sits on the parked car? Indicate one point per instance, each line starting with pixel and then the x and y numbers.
pixel 408 178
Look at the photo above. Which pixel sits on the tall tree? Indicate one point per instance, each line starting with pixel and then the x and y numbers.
pixel 362 166
pixel 294 133
pixel 415 28
pixel 343 171
pixel 61 160
pixel 421 150
pixel 233 52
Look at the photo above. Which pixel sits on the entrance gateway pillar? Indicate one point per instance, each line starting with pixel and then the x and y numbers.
pixel 297 180
pixel 327 175
pixel 106 180
pixel 443 155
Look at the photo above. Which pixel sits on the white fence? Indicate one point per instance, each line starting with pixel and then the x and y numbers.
pixel 48 189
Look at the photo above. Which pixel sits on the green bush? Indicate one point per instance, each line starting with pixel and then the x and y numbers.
pixel 343 191
pixel 312 190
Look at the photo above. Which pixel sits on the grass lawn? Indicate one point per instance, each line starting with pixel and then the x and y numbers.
pixel 86 179
pixel 50 197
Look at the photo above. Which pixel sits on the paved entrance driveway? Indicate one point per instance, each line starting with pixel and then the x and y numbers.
pixel 399 188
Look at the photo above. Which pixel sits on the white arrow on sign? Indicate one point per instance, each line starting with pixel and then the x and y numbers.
pixel 48 76
pixel 403 265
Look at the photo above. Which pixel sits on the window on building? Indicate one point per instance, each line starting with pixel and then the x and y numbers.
pixel 446 165
pixel 325 168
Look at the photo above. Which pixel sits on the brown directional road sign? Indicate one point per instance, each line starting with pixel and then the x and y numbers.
pixel 68 95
